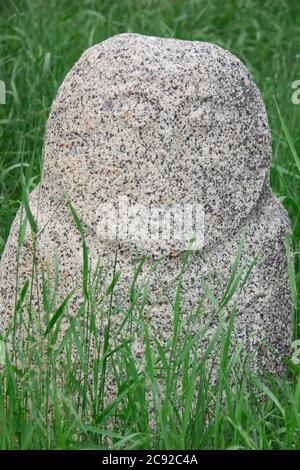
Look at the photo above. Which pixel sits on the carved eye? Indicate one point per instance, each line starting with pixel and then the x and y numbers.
pixel 201 116
pixel 202 111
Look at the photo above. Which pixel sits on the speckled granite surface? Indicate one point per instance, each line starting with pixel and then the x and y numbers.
pixel 162 122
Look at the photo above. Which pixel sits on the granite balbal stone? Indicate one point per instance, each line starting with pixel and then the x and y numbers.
pixel 160 123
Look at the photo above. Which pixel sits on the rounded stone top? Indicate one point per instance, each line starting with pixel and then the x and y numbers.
pixel 161 122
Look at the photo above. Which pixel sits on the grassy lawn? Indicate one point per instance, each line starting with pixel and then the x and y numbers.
pixel 39 42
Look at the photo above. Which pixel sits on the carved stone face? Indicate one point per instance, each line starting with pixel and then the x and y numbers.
pixel 161 122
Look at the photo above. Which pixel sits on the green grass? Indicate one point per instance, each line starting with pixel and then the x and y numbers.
pixel 53 405
pixel 53 384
